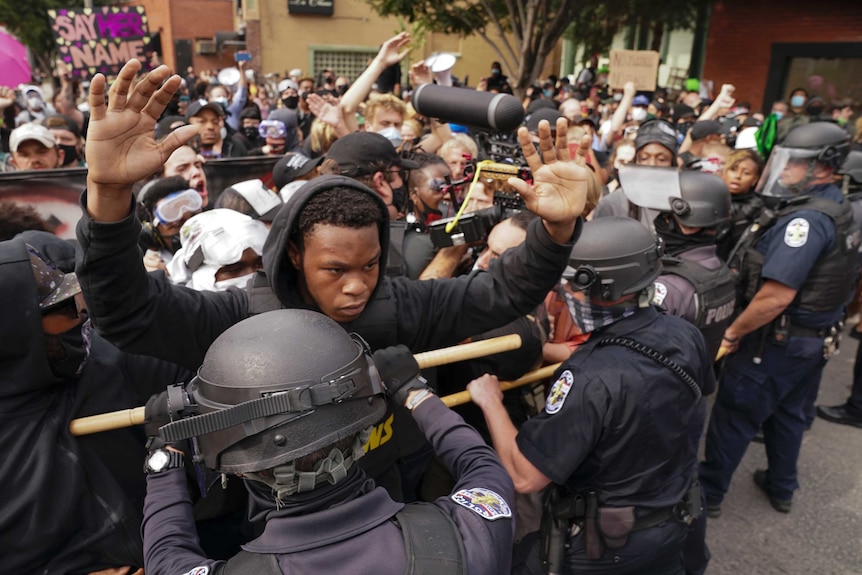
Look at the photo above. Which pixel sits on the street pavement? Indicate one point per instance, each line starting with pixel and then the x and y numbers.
pixel 823 532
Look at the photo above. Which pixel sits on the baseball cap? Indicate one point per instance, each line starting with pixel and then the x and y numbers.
pixel 640 100
pixel 681 111
pixel 292 166
pixel 195 108
pixel 31 131
pixel 549 114
pixel 657 131
pixel 356 153
pixel 285 84
pixel 704 128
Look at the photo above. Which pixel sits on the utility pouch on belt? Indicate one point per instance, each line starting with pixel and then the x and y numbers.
pixel 559 510
pixel 615 524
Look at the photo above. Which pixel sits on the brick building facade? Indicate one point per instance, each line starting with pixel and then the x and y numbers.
pixel 767 47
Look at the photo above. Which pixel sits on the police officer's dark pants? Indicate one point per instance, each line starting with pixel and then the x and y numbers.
pixel 854 403
pixel 773 394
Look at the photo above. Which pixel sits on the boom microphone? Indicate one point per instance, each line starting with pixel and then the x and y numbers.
pixel 500 112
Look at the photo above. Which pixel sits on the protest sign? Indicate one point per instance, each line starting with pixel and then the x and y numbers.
pixel 101 39
pixel 638 66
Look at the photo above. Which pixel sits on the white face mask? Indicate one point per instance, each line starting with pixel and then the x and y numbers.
pixel 639 114
pixel 223 132
pixel 238 282
pixel 392 134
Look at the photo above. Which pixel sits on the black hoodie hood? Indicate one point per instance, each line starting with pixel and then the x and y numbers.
pixel 24 365
pixel 280 272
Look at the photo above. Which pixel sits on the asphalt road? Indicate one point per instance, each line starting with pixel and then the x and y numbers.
pixel 823 532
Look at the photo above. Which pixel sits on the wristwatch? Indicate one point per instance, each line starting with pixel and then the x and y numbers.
pixel 160 460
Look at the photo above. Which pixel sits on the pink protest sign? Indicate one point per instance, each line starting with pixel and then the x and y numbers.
pixel 102 39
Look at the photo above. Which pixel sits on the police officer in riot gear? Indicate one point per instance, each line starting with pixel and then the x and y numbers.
pixel 285 400
pixel 694 208
pixel 619 433
pixel 797 272
pixel 850 412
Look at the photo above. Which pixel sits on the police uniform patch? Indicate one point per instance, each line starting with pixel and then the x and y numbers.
pixel 660 294
pixel 484 502
pixel 559 391
pixel 202 570
pixel 796 233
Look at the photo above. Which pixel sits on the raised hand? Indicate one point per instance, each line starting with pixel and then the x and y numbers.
pixel 7 97
pixel 420 74
pixel 328 111
pixel 559 189
pixel 393 50
pixel 121 145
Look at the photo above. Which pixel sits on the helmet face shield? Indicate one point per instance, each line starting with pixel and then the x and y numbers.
pixel 788 172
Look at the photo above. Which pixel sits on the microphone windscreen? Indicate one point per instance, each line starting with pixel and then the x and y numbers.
pixel 499 112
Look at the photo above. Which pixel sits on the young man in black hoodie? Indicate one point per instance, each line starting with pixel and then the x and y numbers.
pixel 331 266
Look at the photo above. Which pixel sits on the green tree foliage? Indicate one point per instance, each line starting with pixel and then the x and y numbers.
pixel 28 21
pixel 523 33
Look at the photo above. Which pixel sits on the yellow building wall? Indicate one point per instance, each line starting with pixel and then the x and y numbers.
pixel 286 39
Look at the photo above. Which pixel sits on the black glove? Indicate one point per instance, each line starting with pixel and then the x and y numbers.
pixel 399 372
pixel 156 414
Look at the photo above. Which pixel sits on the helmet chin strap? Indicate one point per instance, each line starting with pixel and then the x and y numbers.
pixel 287 481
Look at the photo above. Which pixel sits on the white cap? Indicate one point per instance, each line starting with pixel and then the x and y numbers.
pixel 31 131
pixel 295 73
pixel 746 139
pixel 285 84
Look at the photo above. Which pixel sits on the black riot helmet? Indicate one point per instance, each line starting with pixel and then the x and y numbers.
pixel 791 169
pixel 612 258
pixel 851 169
pixel 697 199
pixel 276 387
pixel 704 200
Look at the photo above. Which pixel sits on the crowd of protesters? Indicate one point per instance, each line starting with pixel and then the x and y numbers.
pixel 328 132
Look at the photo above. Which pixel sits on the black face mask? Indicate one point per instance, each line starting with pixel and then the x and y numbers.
pixel 683 128
pixel 814 110
pixel 399 197
pixel 676 242
pixel 68 351
pixel 342 89
pixel 251 132
pixel 290 102
pixel 70 154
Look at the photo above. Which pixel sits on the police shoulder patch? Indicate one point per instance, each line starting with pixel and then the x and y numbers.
pixel 202 570
pixel 660 294
pixel 484 502
pixel 559 391
pixel 796 233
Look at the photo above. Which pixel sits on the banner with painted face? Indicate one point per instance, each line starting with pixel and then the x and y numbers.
pixel 100 39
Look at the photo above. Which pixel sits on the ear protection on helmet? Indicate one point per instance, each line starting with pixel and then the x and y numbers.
pixel 680 207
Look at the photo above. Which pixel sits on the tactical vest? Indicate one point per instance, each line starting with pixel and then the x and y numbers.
pixel 433 543
pixel 832 279
pixel 395 257
pixel 714 297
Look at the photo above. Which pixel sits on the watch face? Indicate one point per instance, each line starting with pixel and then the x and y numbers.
pixel 158 460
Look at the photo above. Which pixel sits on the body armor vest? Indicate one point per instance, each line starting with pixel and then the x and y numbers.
pixel 714 297
pixel 833 277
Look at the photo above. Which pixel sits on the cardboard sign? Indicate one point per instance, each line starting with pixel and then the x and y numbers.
pixel 638 66
pixel 102 39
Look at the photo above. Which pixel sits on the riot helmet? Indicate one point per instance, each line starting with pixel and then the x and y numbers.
pixel 808 156
pixel 851 170
pixel 696 199
pixel 612 258
pixel 276 387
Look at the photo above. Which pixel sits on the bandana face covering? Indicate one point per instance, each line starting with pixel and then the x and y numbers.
pixel 72 350
pixel 589 317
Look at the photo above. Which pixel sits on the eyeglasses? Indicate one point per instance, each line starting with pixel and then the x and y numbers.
pixel 404 174
pixel 172 208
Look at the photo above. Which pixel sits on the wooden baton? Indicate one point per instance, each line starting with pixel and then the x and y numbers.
pixel 425 359
pixel 463 397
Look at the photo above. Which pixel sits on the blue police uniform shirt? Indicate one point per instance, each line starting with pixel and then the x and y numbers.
pixel 791 248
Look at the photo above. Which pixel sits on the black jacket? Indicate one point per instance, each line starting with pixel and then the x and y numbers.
pixel 68 505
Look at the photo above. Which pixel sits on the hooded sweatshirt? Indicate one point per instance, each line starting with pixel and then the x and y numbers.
pixel 145 313
pixel 68 505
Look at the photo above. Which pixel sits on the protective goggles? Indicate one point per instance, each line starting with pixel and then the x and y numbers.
pixel 272 129
pixel 172 207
